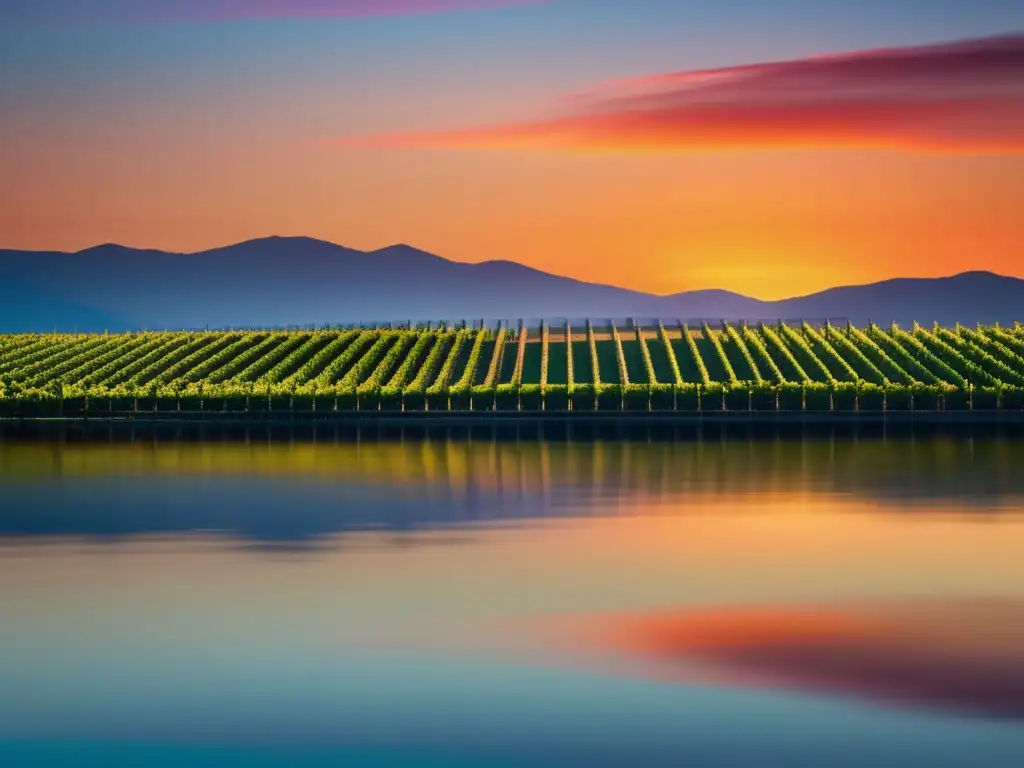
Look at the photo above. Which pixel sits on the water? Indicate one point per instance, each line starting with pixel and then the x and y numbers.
pixel 271 598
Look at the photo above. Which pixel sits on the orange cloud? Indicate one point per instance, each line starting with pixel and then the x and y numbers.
pixel 961 96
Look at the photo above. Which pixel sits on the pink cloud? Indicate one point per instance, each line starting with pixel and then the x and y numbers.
pixel 960 96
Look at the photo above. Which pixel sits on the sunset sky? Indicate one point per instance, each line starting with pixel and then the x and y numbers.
pixel 771 148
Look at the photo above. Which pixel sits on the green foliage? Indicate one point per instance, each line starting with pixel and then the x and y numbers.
pixel 744 350
pixel 677 377
pixel 233 367
pixel 517 372
pixel 298 354
pixel 493 366
pixel 776 342
pixel 545 342
pixel 752 339
pixel 424 376
pixel 465 383
pixel 330 377
pixel 203 364
pixel 401 375
pixel 570 374
pixel 645 352
pixel 1001 344
pixel 76 375
pixel 841 341
pixel 153 347
pixel 372 384
pixel 705 378
pixel 977 358
pixel 59 357
pixel 81 365
pixel 720 352
pixel 949 353
pixel 364 366
pixel 263 358
pixel 310 370
pixel 913 349
pixel 440 385
pixel 801 349
pixel 620 357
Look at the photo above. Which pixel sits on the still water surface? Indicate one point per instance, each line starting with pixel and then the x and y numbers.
pixel 264 600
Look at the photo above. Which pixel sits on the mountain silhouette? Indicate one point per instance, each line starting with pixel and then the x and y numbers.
pixel 279 281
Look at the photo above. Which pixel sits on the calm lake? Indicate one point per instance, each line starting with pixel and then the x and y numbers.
pixel 272 597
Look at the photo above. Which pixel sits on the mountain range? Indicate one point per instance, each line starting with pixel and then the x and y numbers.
pixel 281 281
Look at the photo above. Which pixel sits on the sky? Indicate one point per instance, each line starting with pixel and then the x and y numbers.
pixel 774 149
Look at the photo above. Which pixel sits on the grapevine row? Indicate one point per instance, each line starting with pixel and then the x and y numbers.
pixel 620 357
pixel 424 378
pixel 722 357
pixel 868 340
pixel 260 364
pixel 755 341
pixel 570 375
pixel 745 351
pixel 800 343
pixel 652 377
pixel 316 365
pixel 375 381
pixel 925 352
pixel 164 369
pixel 911 365
pixel 977 354
pixel 677 377
pixel 705 378
pixel 401 375
pixel 294 359
pixel 495 365
pixel 545 343
pixel 775 341
pixel 824 341
pixel 336 368
pixel 227 368
pixel 155 347
pixel 365 365
pixel 517 372
pixel 445 374
pixel 594 362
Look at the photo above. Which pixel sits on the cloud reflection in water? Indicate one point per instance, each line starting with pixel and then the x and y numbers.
pixel 964 657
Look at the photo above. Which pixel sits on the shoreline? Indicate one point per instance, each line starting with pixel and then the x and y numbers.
pixel 986 417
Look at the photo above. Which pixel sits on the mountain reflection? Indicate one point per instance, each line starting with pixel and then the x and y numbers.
pixel 287 490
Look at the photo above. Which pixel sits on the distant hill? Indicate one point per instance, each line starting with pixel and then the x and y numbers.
pixel 298 281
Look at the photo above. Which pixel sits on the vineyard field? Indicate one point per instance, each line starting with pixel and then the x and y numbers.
pixel 661 367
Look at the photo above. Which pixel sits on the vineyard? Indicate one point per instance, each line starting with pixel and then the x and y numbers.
pixel 651 367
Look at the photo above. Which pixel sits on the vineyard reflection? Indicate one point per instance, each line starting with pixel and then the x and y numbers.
pixel 338 482
pixel 626 598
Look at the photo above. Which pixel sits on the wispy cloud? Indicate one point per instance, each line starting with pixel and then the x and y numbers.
pixel 958 96
pixel 156 11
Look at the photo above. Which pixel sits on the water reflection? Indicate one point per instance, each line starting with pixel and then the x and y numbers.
pixel 268 589
pixel 906 653
pixel 113 483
